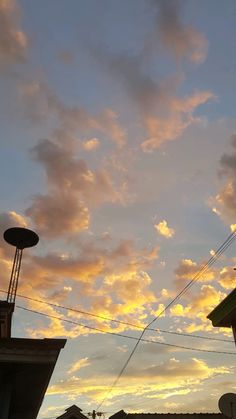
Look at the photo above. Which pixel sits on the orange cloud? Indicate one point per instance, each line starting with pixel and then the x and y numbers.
pixel 58 214
pixel 91 144
pixel 13 41
pixel 113 281
pixel 187 269
pixel 73 188
pixel 177 117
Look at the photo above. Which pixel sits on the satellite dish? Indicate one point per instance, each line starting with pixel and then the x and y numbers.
pixel 227 405
pixel 21 237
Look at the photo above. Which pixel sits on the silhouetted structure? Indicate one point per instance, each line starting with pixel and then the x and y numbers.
pixel 224 315
pixel 26 365
pixel 123 415
pixel 73 412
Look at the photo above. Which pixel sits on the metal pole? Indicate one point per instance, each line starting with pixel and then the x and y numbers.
pixel 11 295
pixel 234 332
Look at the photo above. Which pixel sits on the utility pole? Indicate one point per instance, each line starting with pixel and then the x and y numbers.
pixel 94 414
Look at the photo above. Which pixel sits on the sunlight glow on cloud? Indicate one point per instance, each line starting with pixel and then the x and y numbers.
pixel 179 117
pixel 172 375
pixel 91 144
pixel 101 129
pixel 188 268
pixel 164 230
pixel 13 41
pixel 83 362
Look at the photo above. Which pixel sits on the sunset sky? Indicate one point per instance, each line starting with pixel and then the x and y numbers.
pixel 118 147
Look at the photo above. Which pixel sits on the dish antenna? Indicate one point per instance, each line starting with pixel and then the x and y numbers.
pixel 227 404
pixel 20 238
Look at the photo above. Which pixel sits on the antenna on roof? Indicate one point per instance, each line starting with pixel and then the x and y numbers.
pixel 20 238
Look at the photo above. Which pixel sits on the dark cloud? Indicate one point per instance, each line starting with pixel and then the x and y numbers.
pixel 181 40
pixel 226 198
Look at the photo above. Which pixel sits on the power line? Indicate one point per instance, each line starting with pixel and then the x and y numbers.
pixel 122 335
pixel 205 267
pixel 120 321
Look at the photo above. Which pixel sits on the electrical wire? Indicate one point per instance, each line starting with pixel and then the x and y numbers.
pixel 205 267
pixel 122 335
pixel 120 321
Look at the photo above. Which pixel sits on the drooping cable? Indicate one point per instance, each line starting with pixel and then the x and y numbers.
pixel 120 321
pixel 205 267
pixel 121 334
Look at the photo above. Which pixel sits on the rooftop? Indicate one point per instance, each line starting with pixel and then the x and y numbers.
pixel 26 366
pixel 224 315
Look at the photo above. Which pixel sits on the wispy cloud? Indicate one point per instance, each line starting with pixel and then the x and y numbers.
pixel 172 376
pixel 179 39
pixel 13 41
pixel 224 202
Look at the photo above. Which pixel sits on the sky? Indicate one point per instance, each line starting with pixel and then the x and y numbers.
pixel 118 147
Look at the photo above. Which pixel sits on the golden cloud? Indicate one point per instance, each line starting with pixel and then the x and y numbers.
pixel 187 269
pixel 198 309
pixel 83 362
pixel 228 278
pixel 73 187
pixel 123 289
pixel 164 230
pixel 173 375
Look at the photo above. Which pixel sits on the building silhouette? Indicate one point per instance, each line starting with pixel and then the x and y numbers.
pixel 26 365
pixel 73 412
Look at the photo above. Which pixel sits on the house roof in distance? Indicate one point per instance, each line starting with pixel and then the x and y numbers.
pixel 73 412
pixel 123 415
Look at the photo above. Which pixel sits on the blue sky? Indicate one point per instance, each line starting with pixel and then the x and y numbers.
pixel 118 149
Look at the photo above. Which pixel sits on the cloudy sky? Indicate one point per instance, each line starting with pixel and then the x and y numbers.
pixel 118 147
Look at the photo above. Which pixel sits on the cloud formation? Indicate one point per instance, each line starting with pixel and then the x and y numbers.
pixel 181 40
pixel 91 144
pixel 13 41
pixel 175 119
pixel 187 269
pixel 163 113
pixel 198 308
pixel 41 103
pixel 112 283
pixel 225 200
pixel 164 230
pixel 73 187
pixel 173 376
